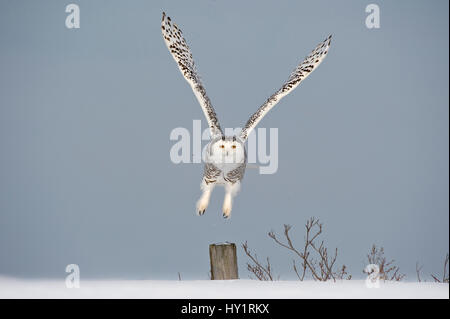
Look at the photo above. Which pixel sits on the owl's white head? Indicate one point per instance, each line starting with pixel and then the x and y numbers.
pixel 226 150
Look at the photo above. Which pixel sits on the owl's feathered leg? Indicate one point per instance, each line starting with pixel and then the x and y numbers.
pixel 231 190
pixel 203 202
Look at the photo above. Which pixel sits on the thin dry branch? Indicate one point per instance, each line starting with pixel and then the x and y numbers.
pixel 260 271
pixel 343 274
pixel 445 276
pixel 418 270
pixel 321 269
pixel 388 270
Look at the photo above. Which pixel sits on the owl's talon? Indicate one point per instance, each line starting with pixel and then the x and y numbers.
pixel 202 205
pixel 201 212
pixel 226 214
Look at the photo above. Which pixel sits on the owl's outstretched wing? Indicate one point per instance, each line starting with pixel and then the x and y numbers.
pixel 173 37
pixel 309 64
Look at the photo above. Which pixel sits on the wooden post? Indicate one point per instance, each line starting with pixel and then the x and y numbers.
pixel 223 260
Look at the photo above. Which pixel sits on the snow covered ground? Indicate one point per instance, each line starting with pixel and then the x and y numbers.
pixel 246 289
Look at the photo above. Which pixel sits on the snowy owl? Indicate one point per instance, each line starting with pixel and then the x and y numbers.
pixel 226 157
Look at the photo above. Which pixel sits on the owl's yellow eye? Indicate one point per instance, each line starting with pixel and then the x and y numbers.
pixel 222 146
pixel 234 146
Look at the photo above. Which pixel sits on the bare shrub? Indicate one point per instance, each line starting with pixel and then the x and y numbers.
pixel 259 271
pixel 388 270
pixel 418 270
pixel 445 276
pixel 321 265
pixel 314 259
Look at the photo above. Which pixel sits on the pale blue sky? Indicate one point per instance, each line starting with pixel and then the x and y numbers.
pixel 85 118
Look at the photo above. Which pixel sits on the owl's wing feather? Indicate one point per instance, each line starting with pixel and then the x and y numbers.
pixel 309 64
pixel 173 37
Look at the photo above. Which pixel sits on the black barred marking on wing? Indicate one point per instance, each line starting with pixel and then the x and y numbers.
pixel 302 71
pixel 210 173
pixel 180 51
pixel 236 174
